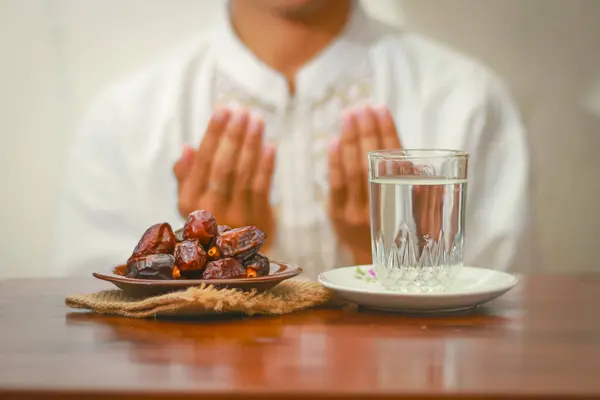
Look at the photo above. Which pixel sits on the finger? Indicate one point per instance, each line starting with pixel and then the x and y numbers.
pixel 182 167
pixel 200 169
pixel 454 223
pixel 369 135
pixel 249 158
pixel 422 208
pixel 382 168
pixel 416 210
pixel 432 211
pixel 223 166
pixel 261 187
pixel 351 165
pixel 260 202
pixel 435 221
pixel 386 168
pixel 336 179
pixel 264 172
pixel 389 135
pixel 250 154
pixel 402 168
pixel 428 210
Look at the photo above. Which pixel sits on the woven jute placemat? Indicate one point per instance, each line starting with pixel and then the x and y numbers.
pixel 287 297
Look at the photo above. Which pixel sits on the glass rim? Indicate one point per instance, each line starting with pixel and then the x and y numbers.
pixel 400 154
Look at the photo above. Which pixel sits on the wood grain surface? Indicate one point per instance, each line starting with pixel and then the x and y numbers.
pixel 540 340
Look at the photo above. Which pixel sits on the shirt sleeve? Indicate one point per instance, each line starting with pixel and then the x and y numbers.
pixel 95 226
pixel 499 220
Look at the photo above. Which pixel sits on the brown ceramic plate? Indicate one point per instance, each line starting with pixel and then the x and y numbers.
pixel 280 271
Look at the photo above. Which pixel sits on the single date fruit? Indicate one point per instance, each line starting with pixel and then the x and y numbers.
pixel 201 226
pixel 190 256
pixel 241 243
pixel 153 266
pixel 257 265
pixel 158 239
pixel 225 268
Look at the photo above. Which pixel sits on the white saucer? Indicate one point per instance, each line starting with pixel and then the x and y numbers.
pixel 473 287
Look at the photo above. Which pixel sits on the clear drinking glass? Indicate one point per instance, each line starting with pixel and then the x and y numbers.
pixel 417 202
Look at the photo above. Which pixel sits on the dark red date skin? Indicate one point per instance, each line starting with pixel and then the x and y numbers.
pixel 241 243
pixel 200 225
pixel 190 256
pixel 225 268
pixel 153 266
pixel 259 263
pixel 158 239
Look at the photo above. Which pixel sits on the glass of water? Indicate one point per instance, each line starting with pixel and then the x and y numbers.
pixel 417 202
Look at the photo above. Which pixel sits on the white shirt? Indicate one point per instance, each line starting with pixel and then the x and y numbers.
pixel 119 175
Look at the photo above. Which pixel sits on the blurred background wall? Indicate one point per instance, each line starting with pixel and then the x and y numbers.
pixel 56 55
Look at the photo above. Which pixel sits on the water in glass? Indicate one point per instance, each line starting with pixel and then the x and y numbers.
pixel 417 231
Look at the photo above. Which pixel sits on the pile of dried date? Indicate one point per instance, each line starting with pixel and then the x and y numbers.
pixel 200 250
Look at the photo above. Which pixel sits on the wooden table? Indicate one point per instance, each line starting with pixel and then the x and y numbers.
pixel 540 340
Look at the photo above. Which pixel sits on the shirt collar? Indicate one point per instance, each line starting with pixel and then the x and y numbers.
pixel 349 50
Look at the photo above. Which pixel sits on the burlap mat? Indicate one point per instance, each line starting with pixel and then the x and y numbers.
pixel 287 297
